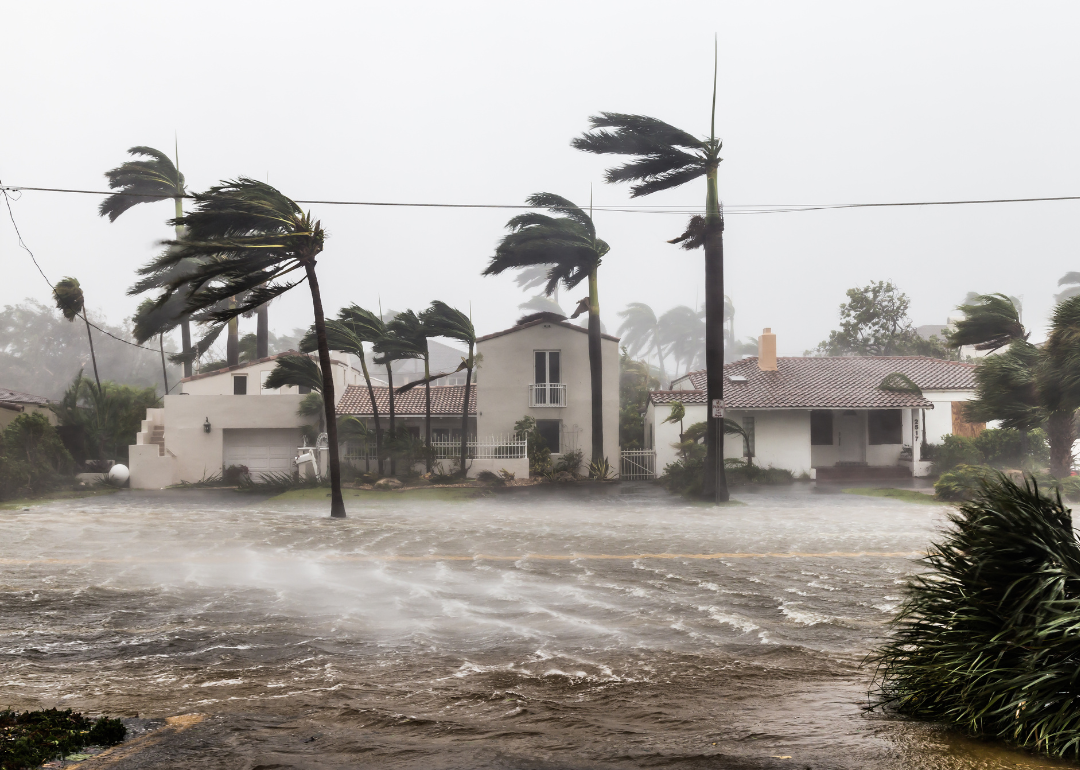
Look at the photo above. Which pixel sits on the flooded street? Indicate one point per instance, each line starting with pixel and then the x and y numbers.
pixel 627 629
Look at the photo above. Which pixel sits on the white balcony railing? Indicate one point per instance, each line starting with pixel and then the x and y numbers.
pixel 547 394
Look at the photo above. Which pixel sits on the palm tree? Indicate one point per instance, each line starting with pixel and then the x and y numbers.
pixel 68 296
pixel 640 330
pixel 1071 280
pixel 442 320
pixel 682 335
pixel 533 278
pixel 413 334
pixel 354 327
pixel 301 371
pixel 569 246
pixel 151 321
pixel 243 237
pixel 389 348
pixel 666 157
pixel 145 181
pixel 1025 386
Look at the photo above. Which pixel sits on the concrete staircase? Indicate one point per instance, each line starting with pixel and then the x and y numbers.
pixel 157 436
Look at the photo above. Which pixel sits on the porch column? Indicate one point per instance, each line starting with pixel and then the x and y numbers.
pixel 916 436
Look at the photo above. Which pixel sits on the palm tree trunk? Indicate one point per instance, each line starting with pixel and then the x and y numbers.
pixel 232 347
pixel 393 426
pixel 465 415
pixel 715 482
pixel 427 413
pixel 185 324
pixel 262 332
pixel 1061 433
pixel 596 370
pixel 374 412
pixel 164 371
pixel 337 503
pixel 93 357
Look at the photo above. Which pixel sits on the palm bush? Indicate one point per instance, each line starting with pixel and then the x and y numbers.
pixel 32 457
pixel 987 640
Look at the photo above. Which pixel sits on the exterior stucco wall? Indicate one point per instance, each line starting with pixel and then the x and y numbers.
pixel 781 438
pixel 7 416
pixel 939 419
pixel 221 384
pixel 666 434
pixel 507 371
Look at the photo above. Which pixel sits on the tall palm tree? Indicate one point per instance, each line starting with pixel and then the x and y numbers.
pixel 666 157
pixel 389 348
pixel 301 370
pixel 151 321
pixel 569 246
pixel 68 296
pixel 640 331
pixel 413 335
pixel 243 238
pixel 1026 386
pixel 682 335
pixel 153 178
pixel 354 327
pixel 442 320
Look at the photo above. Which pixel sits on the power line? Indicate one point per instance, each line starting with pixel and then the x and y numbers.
pixel 22 243
pixel 765 208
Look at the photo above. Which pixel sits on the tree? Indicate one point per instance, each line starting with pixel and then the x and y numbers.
pixel 68 296
pixel 569 246
pixel 682 335
pixel 445 321
pixel 990 322
pixel 414 333
pixel 242 238
pixel 640 331
pixel 146 181
pixel 677 415
pixel 666 157
pixel 389 348
pixel 874 322
pixel 101 421
pixel 1027 386
pixel 152 320
pixel 635 382
pixel 354 327
pixel 1071 281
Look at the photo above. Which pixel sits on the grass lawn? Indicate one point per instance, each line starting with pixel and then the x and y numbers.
pixel 910 495
pixel 67 494
pixel 419 493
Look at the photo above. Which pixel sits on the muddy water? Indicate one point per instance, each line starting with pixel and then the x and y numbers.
pixel 617 630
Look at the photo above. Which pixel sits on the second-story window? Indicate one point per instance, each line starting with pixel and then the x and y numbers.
pixel 547 388
pixel 546 367
pixel 239 384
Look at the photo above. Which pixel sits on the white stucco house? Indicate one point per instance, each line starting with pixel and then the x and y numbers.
pixel 538 368
pixel 223 418
pixel 827 417
pixel 13 403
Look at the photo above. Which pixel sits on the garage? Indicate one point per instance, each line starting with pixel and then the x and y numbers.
pixel 262 450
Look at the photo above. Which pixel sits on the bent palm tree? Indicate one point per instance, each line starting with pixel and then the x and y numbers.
pixel 146 181
pixel 640 331
pixel 389 348
pixel 682 335
pixel 667 157
pixel 990 322
pixel 68 296
pixel 151 321
pixel 569 246
pixel 410 329
pixel 354 327
pixel 442 320
pixel 243 238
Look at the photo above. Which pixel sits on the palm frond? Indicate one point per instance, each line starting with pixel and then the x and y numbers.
pixel 442 320
pixel 296 370
pixel 694 236
pixel 633 135
pixel 990 322
pixel 198 350
pixel 68 296
pixel 141 181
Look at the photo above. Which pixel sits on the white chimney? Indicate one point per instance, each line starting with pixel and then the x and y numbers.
pixel 767 351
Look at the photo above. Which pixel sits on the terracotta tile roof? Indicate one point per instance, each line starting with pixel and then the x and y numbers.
pixel 15 397
pixel 445 399
pixel 686 396
pixel 537 322
pixel 849 382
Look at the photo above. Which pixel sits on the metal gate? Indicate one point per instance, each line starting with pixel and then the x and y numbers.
pixel 638 465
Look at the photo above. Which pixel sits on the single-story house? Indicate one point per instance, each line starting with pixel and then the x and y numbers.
pixel 13 403
pixel 830 417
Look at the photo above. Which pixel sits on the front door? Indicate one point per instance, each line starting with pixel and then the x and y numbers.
pixel 851 436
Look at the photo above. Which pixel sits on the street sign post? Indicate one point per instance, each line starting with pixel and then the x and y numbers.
pixel 718 409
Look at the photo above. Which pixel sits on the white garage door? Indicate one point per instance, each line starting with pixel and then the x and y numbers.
pixel 262 450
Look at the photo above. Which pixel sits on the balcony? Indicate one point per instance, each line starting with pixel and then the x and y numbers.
pixel 547 394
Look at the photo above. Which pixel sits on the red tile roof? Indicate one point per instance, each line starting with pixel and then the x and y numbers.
pixel 445 399
pixel 849 382
pixel 537 322
pixel 15 397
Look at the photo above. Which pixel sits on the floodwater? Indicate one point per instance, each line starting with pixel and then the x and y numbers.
pixel 610 630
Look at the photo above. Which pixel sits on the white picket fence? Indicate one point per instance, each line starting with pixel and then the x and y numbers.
pixel 637 465
pixel 510 447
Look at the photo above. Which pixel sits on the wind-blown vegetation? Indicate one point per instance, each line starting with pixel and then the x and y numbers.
pixel 987 639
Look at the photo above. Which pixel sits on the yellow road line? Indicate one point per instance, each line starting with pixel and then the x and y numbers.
pixel 486 557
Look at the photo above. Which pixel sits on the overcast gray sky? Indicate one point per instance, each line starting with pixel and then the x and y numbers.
pixel 467 102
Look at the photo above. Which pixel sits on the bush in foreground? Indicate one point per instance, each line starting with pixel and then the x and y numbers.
pixel 32 738
pixel 988 639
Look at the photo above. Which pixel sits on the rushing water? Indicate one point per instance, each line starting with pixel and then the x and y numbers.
pixel 624 629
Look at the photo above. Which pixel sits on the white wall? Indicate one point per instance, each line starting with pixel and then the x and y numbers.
pixel 939 419
pixel 507 371
pixel 221 384
pixel 781 439
pixel 666 434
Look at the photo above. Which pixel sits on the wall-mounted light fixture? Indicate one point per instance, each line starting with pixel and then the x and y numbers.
pixel 206 426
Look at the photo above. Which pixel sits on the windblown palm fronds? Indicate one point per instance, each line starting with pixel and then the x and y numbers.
pixel 990 322
pixel 295 370
pixel 441 320
pixel 989 639
pixel 68 296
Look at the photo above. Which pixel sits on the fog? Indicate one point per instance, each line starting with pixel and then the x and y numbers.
pixel 477 102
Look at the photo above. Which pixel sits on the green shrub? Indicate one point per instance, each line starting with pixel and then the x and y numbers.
pixel 101 424
pixel 539 454
pixel 570 462
pixel 961 483
pixel 955 451
pixel 997 447
pixel 684 477
pixel 741 472
pixel 986 640
pixel 32 457
pixel 30 739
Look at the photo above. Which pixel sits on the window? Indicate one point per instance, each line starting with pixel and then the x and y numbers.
pixel 239 385
pixel 549 430
pixel 303 390
pixel 546 366
pixel 262 382
pixel 885 426
pixel 821 428
pixel 440 435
